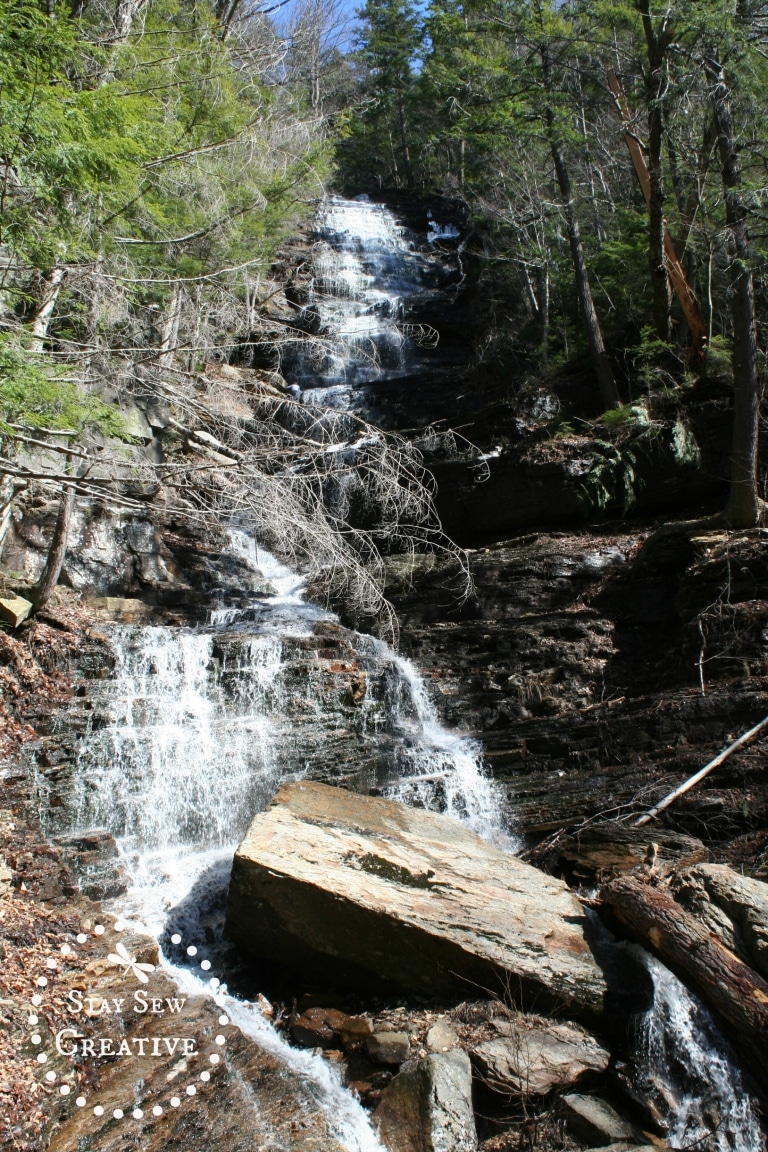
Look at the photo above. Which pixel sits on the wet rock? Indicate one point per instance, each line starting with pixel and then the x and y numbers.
pixel 376 891
pixel 14 610
pixel 594 1119
pixel 318 1028
pixel 95 860
pixel 388 1047
pixel 428 1107
pixel 355 1030
pixel 535 1060
pixel 607 849
pixel 441 1037
pixel 734 907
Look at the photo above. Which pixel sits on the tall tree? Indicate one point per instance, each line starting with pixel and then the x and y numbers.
pixel 744 506
pixel 387 48
pixel 659 35
pixel 600 361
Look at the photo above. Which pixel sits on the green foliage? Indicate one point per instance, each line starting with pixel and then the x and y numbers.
pixel 31 395
pixel 163 156
pixel 625 417
pixel 377 144
pixel 612 477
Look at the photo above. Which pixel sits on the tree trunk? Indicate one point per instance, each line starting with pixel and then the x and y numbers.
pixel 126 12
pixel 169 337
pixel 655 88
pixel 600 361
pixel 675 271
pixel 735 992
pixel 49 578
pixel 744 506
pixel 10 486
pixel 404 139
pixel 49 294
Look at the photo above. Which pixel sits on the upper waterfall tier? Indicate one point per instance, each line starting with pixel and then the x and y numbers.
pixel 378 292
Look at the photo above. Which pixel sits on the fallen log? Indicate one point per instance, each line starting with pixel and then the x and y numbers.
pixel 735 993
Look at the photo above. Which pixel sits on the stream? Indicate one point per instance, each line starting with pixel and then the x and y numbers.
pixel 196 728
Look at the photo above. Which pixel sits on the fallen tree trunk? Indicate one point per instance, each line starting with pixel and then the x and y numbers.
pixel 736 994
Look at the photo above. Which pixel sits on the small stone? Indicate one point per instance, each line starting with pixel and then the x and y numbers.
pixel 14 609
pixel 441 1037
pixel 6 876
pixel 388 1047
pixel 428 1106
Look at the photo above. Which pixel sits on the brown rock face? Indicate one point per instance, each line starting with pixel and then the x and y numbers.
pixel 318 1028
pixel 373 891
pixel 388 1047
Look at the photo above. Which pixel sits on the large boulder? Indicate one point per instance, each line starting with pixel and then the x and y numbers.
pixel 428 1107
pixel 533 1059
pixel 367 890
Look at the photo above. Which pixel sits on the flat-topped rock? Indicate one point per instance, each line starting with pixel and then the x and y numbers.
pixel 368 891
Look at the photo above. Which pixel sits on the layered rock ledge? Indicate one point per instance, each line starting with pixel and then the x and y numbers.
pixel 365 890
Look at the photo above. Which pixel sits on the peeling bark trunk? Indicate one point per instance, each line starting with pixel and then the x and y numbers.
pixel 657 45
pixel 744 506
pixel 10 486
pixel 170 334
pixel 736 994
pixel 49 577
pixel 126 12
pixel 675 271
pixel 49 294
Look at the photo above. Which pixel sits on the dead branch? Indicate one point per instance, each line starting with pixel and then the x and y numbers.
pixel 719 759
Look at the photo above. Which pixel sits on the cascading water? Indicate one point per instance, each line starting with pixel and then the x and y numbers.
pixel 683 1066
pixel 367 268
pixel 438 768
pixel 197 727
pixel 194 733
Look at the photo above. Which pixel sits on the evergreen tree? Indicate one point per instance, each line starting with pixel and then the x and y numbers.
pixel 379 146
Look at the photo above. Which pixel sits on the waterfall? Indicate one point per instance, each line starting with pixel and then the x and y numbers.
pixel 439 769
pixel 367 267
pixel 684 1067
pixel 189 740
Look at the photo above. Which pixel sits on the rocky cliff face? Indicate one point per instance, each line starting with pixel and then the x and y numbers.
pixel 597 673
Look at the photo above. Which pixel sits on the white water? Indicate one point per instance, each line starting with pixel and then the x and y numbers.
pixel 683 1065
pixel 365 268
pixel 439 768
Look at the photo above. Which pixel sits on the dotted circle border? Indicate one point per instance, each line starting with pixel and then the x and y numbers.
pixel 136 1112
